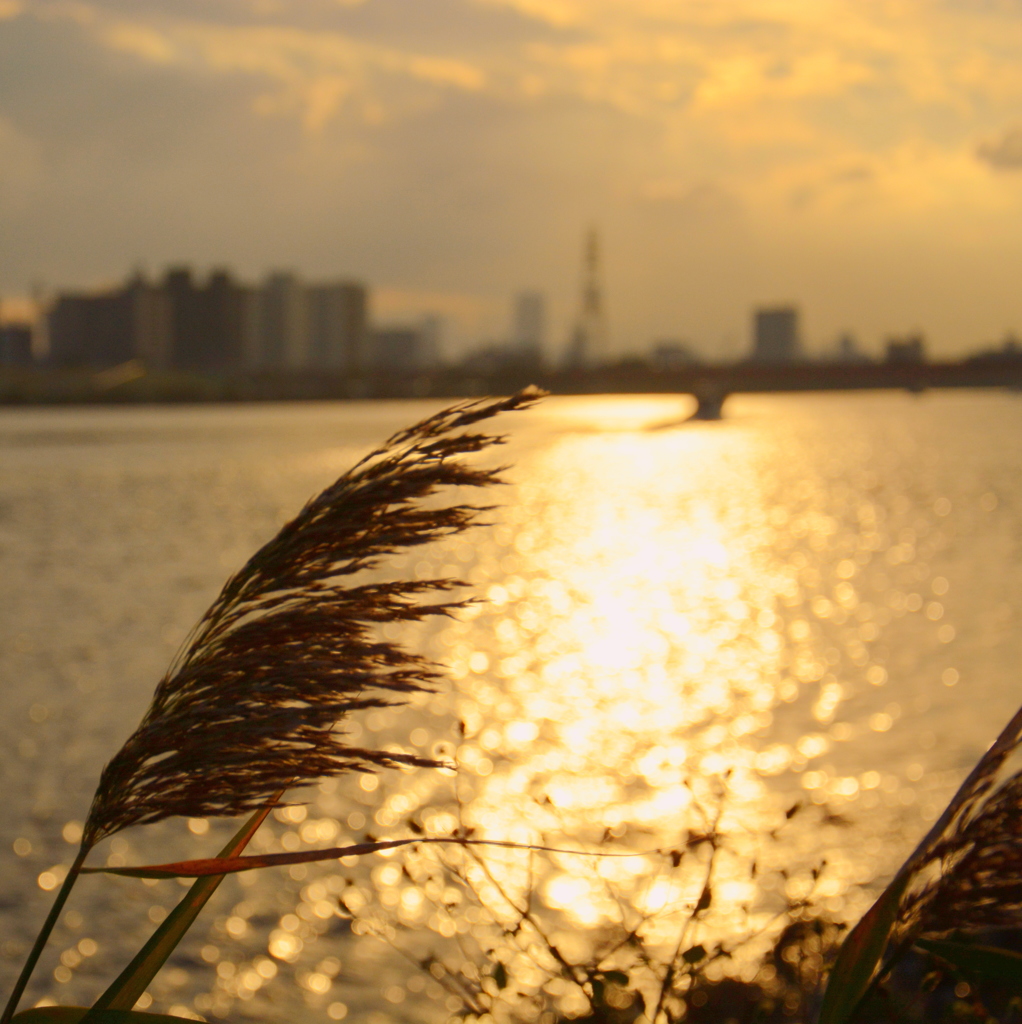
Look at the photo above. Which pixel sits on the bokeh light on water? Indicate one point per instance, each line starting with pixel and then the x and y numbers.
pixel 681 630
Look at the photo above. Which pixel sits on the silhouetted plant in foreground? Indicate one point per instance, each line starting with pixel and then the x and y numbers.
pixel 963 880
pixel 255 703
pixel 521 960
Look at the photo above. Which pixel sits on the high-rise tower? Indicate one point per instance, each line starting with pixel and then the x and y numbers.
pixel 528 324
pixel 776 335
pixel 588 343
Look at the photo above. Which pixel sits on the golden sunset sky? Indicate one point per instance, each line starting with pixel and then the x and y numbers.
pixel 861 158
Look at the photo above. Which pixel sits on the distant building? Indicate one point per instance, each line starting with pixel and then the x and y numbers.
pixel 216 325
pixel 407 348
pixel 432 331
pixel 336 321
pixel 396 349
pixel 528 324
pixel 228 321
pixel 152 328
pixel 776 337
pixel 282 335
pixel 209 324
pixel 671 355
pixel 910 349
pixel 1010 351
pixel 92 330
pixel 847 350
pixel 15 344
pixel 186 329
pixel 107 328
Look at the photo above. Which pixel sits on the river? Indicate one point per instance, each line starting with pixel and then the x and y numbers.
pixel 681 627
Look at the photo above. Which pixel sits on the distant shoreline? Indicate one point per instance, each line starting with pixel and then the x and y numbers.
pixel 132 383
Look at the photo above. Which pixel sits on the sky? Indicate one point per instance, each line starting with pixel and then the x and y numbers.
pixel 861 159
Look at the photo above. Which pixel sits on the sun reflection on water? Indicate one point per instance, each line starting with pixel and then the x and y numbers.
pixel 680 640
pixel 669 636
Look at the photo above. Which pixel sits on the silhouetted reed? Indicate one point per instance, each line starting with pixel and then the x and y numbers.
pixel 255 703
pixel 970 873
pixel 965 877
pixel 981 886
pixel 288 648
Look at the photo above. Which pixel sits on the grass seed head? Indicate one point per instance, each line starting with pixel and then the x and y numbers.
pixel 257 700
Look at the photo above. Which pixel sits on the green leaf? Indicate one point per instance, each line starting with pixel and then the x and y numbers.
pixel 860 955
pixel 229 865
pixel 694 954
pixel 209 867
pixel 133 980
pixel 1002 965
pixel 210 872
pixel 73 1014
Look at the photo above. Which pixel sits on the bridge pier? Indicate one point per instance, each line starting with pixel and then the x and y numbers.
pixel 710 399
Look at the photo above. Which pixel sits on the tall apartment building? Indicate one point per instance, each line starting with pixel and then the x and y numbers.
pixel 336 318
pixel 111 327
pixel 281 318
pixel 16 344
pixel 320 326
pixel 152 330
pixel 216 325
pixel 776 338
pixel 209 323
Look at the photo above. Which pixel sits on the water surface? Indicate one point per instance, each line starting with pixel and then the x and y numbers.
pixel 682 627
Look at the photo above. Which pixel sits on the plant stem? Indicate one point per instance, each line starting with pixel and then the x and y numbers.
pixel 125 991
pixel 44 934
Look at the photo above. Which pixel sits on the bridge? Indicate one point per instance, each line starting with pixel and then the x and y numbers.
pixel 711 384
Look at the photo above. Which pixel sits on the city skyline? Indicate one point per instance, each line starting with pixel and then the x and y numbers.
pixel 406 308
pixel 863 160
pixel 525 331
pixel 215 322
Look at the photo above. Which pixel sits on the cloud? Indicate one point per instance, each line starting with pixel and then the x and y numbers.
pixel 141 41
pixel 313 72
pixel 645 58
pixel 704 202
pixel 1003 153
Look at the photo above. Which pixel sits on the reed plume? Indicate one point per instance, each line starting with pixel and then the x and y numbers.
pixel 287 650
pixel 981 885
pixel 970 874
pixel 255 703
pixel 964 876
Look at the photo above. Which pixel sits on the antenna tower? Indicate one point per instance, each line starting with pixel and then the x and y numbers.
pixel 589 337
